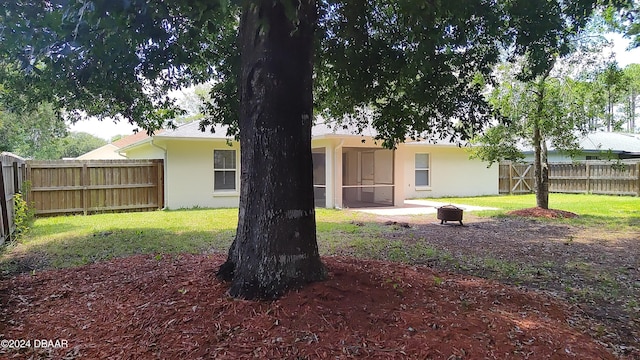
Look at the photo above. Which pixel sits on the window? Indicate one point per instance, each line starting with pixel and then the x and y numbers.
pixel 422 170
pixel 319 177
pixel 224 170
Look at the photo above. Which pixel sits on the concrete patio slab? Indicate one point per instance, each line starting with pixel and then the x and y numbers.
pixel 417 207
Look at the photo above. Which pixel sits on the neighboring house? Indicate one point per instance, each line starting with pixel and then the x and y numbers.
pixel 597 146
pixel 203 169
pixel 105 152
pixel 111 150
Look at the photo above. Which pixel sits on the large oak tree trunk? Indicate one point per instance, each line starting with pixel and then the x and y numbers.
pixel 275 247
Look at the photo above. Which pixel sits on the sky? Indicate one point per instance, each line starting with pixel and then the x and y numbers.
pixel 107 129
pixel 623 56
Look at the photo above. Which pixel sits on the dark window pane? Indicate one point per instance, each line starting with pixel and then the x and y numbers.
pixel 224 159
pixel 422 177
pixel 224 180
pixel 320 196
pixel 422 161
pixel 319 171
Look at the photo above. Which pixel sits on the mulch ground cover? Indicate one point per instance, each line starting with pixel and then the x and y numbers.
pixel 172 307
pixel 543 213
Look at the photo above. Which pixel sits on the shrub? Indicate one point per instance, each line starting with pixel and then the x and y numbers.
pixel 24 214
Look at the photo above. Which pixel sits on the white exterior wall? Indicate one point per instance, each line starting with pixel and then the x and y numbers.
pixel 189 175
pixel 145 152
pixel 452 173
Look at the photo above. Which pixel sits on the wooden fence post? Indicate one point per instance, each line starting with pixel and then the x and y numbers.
pixel 4 211
pixel 588 174
pixel 160 183
pixel 27 177
pixel 510 177
pixel 16 177
pixel 23 175
pixel 638 175
pixel 85 191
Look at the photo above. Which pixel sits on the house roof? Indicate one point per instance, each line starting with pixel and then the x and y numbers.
pixel 619 143
pixel 192 131
pixel 132 139
pixel 320 130
pixel 328 129
pixel 110 151
pixel 616 142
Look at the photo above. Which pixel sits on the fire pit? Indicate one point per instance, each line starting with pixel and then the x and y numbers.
pixel 449 213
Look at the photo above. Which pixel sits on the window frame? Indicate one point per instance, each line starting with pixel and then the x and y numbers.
pixel 426 169
pixel 225 170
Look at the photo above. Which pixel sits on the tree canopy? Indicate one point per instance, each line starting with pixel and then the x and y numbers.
pixel 632 95
pixel 416 64
pixel 41 134
pixel 549 109
pixel 624 16
pixel 78 143
pixel 32 134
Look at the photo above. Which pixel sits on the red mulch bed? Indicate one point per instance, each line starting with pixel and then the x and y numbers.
pixel 145 307
pixel 542 213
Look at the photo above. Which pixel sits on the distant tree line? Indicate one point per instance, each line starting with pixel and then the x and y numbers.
pixel 43 135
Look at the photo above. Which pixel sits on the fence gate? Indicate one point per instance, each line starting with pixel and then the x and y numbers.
pixel 516 178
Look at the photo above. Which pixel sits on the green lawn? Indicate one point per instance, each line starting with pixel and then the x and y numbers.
pixel 76 240
pixel 615 212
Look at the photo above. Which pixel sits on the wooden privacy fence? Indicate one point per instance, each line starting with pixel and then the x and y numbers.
pixel 585 177
pixel 12 174
pixel 93 186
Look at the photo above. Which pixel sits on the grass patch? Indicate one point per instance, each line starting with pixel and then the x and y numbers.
pixel 65 241
pixel 77 240
pixel 612 212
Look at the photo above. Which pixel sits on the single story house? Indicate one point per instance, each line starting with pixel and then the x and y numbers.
pixel 105 152
pixel 202 168
pixel 597 146
pixel 111 151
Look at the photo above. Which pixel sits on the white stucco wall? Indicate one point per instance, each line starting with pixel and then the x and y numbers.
pixel 452 173
pixel 147 151
pixel 189 173
pixel 190 177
